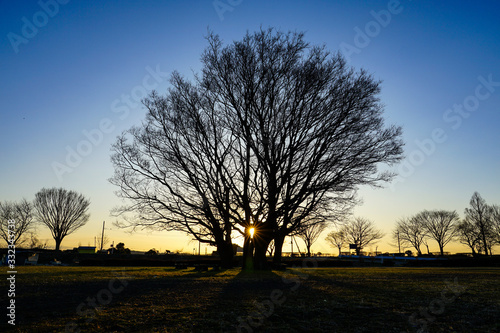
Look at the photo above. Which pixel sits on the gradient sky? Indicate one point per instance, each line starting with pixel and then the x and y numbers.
pixel 81 67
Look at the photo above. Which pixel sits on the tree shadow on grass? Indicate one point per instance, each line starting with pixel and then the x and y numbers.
pixel 298 301
pixel 97 305
pixel 245 295
pixel 220 301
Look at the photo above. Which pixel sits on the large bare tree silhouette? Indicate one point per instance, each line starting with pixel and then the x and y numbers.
pixel 272 131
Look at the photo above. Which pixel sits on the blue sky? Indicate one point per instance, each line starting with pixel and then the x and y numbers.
pixel 72 73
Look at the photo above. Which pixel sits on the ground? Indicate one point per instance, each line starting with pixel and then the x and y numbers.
pixel 160 299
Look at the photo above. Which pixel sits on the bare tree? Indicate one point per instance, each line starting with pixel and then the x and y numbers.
pixel 412 232
pixel 311 124
pixel 495 216
pixel 35 243
pixel 440 225
pixel 62 211
pixel 481 215
pixel 362 232
pixel 310 232
pixel 273 131
pixel 337 239
pixel 468 234
pixel 22 214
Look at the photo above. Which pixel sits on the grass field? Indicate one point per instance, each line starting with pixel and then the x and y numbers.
pixel 370 299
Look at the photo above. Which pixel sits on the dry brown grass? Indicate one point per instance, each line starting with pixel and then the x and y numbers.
pixel 59 299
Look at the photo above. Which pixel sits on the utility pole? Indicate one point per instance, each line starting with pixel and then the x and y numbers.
pixel 399 243
pixel 199 243
pixel 102 236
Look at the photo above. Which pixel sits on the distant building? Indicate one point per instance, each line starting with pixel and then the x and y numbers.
pixel 86 249
pixel 239 249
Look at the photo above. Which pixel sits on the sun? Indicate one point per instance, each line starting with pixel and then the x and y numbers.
pixel 251 231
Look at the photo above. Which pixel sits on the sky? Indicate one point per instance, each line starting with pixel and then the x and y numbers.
pixel 72 74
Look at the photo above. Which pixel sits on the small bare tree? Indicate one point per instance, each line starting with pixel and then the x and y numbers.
pixel 412 232
pixel 495 216
pixel 440 225
pixel 337 239
pixel 22 213
pixel 62 211
pixel 468 234
pixel 35 243
pixel 310 232
pixel 481 216
pixel 362 232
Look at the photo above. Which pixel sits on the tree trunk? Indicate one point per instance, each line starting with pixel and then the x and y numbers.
pixel 260 258
pixel 226 254
pixel 474 254
pixel 308 249
pixel 58 243
pixel 278 250
pixel 255 253
pixel 483 233
pixel 248 250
